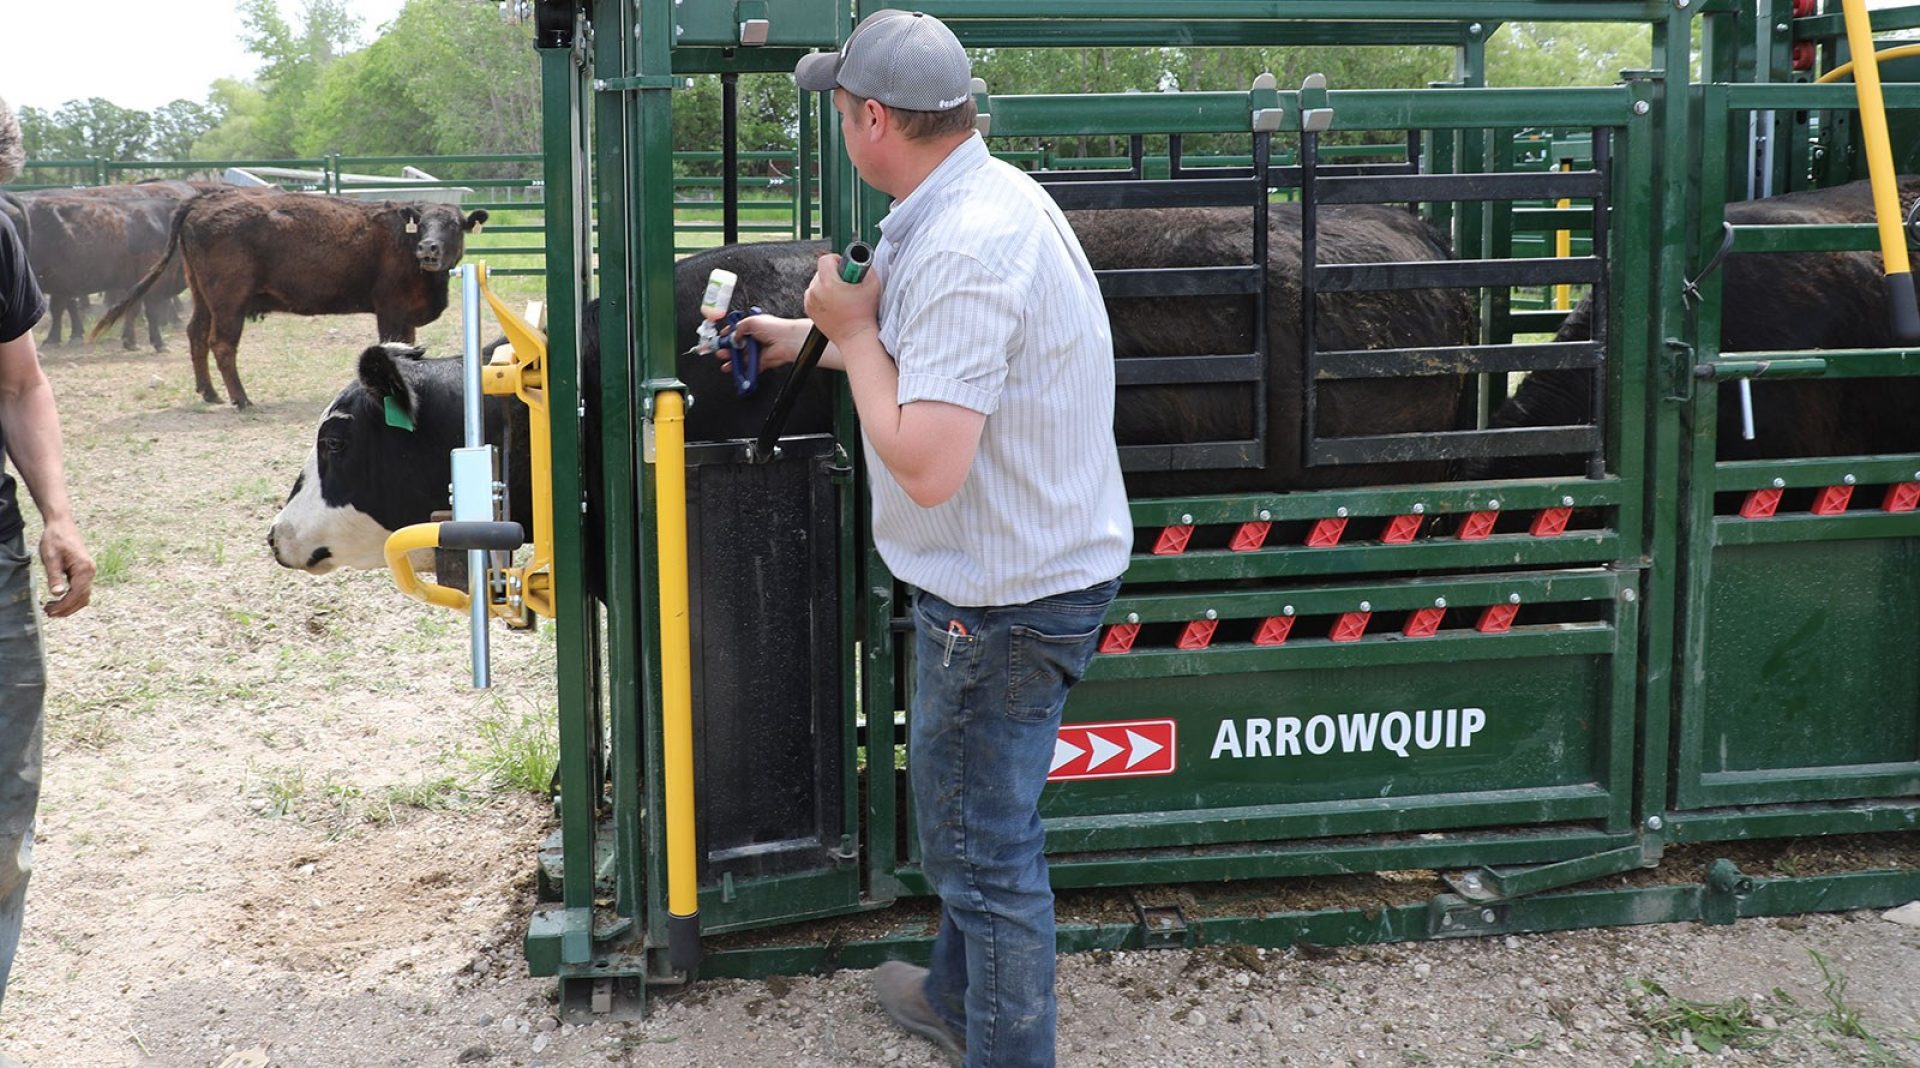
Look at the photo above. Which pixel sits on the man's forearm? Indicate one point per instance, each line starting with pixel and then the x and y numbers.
pixel 33 446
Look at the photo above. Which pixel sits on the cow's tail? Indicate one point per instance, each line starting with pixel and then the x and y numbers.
pixel 140 290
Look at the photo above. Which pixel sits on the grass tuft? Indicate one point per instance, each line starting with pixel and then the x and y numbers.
pixel 517 752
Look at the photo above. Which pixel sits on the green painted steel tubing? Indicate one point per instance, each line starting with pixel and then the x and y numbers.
pixel 1827 27
pixel 1147 33
pixel 1805 96
pixel 1839 237
pixel 961 11
pixel 1730 370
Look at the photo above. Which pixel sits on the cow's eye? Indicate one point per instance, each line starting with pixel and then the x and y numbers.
pixel 331 446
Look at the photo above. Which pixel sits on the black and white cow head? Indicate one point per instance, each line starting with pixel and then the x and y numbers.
pixel 438 233
pixel 379 462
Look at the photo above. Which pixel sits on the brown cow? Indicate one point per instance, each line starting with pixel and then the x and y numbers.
pixel 252 253
pixel 101 240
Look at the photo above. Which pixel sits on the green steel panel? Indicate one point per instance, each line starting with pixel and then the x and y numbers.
pixel 1557 639
pixel 1785 529
pixel 1398 500
pixel 1810 689
pixel 1845 237
pixel 1314 736
pixel 1867 471
pixel 1156 33
pixel 1819 27
pixel 1500 550
pixel 1350 10
pixel 790 23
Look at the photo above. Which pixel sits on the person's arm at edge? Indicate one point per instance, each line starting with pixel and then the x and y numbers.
pixel 33 444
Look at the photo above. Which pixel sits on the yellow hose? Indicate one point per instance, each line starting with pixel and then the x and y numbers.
pixel 1846 69
pixel 676 670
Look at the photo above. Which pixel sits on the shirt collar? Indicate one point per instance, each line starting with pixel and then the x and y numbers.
pixel 905 214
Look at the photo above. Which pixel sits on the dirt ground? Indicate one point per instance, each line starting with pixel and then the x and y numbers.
pixel 276 819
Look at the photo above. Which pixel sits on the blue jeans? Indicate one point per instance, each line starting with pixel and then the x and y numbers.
pixel 23 687
pixel 989 684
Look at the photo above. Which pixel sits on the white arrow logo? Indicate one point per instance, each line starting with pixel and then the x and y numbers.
pixel 1063 751
pixel 1103 750
pixel 1143 747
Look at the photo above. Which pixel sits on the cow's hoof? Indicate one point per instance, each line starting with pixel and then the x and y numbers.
pixel 241 404
pixel 210 397
pixel 128 346
pixel 161 347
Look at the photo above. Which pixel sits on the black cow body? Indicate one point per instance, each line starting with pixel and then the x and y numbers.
pixel 101 240
pixel 1772 301
pixel 366 479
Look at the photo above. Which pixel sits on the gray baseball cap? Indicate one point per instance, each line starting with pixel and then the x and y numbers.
pixel 903 59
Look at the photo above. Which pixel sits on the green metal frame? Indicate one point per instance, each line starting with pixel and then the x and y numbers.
pixel 1602 771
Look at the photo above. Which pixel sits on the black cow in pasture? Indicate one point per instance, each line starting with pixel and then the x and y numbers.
pixel 101 240
pixel 1770 302
pixel 365 478
pixel 15 210
pixel 250 253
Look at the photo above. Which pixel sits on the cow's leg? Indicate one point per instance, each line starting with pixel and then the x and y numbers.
pixel 226 351
pixel 127 341
pixel 77 310
pixel 156 311
pixel 59 305
pixel 199 343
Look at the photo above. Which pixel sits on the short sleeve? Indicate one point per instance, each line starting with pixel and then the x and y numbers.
pixel 21 304
pixel 957 321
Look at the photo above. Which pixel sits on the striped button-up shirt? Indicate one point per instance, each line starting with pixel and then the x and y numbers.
pixel 990 304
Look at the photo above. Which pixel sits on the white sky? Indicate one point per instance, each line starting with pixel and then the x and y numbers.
pixel 136 53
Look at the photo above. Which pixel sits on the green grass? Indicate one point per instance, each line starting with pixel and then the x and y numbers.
pixel 1844 1020
pixel 113 560
pixel 517 752
pixel 1713 1026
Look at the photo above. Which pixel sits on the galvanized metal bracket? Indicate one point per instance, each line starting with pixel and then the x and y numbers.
pixel 1268 115
pixel 1486 885
pixel 1316 115
pixel 1161 926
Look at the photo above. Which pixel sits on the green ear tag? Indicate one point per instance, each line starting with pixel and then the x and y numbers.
pixel 398 417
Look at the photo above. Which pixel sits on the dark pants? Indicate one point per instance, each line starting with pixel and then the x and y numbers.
pixel 23 687
pixel 989 685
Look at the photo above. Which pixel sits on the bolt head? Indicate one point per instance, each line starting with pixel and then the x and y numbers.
pixel 1186 520
pixel 1628 595
pixel 1366 606
pixel 1566 502
pixel 1419 509
pixel 1211 614
pixel 1265 515
pixel 1641 107
pixel 1493 506
pixel 1439 602
pixel 1780 27
pixel 1133 617
pixel 1513 598
pixel 599 85
pixel 1848 480
pixel 1486 916
pixel 1340 513
pixel 1654 823
pixel 1446 921
pixel 1779 483
pixel 1286 610
pixel 1476 29
pixel 1471 879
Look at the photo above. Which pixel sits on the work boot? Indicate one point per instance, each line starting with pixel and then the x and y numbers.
pixel 902 990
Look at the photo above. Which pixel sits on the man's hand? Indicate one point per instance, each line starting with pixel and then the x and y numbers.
pixel 779 339
pixel 69 568
pixel 842 310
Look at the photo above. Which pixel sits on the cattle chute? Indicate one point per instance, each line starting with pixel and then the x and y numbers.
pixel 1524 683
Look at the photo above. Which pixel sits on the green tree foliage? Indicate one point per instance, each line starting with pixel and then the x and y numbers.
pixel 1556 53
pixel 769 120
pixel 292 64
pixel 176 126
pixel 241 108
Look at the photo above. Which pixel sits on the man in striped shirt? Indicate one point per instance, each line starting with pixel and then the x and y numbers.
pixel 981 365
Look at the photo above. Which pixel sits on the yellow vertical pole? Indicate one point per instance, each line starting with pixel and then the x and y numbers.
pixel 1886 189
pixel 676 682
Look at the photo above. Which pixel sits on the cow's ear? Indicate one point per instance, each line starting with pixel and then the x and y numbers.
pixel 381 376
pixel 474 219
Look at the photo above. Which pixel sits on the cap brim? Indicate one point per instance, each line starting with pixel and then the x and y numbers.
pixel 817 73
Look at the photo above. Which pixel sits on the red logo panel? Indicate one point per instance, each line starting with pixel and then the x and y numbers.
pixel 1118 750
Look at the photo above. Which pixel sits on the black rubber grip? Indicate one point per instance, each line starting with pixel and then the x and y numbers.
pixel 1900 303
pixel 853 269
pixel 489 536
pixel 683 943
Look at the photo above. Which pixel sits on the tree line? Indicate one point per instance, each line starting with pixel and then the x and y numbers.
pixel 456 77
